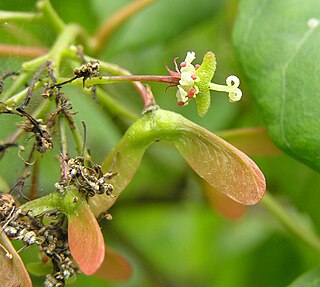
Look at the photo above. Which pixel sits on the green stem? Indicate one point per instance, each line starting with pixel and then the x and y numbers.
pixel 295 226
pixel 109 102
pixel 66 203
pixel 131 78
pixel 42 204
pixel 65 39
pixel 34 64
pixel 119 71
pixel 50 15
pixel 146 94
pixel 10 16
pixel 64 147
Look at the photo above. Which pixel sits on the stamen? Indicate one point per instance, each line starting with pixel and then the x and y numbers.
pixel 233 81
pixel 191 93
pixel 7 253
pixel 183 64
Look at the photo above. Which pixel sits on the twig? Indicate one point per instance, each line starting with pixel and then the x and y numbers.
pixel 21 51
pixel 10 16
pixel 64 148
pixel 34 189
pixel 50 15
pixel 84 137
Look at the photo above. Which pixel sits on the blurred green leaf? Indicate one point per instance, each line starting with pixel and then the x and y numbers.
pixel 17 5
pixel 222 203
pixel 252 141
pixel 210 250
pixel 76 12
pixel 309 279
pixel 161 22
pixel 39 268
pixel 282 69
pixel 3 185
pixel 114 267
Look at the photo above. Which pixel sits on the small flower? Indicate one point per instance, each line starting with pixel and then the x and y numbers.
pixel 186 65
pixel 195 82
pixel 182 96
pixel 187 88
pixel 187 79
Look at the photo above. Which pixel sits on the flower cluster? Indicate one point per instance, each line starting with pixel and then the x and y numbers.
pixel 192 79
pixel 187 88
pixel 89 179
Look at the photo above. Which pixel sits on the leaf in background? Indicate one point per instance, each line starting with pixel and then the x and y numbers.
pixel 12 271
pixel 161 22
pixel 281 62
pixel 114 267
pixel 222 203
pixel 4 187
pixel 85 240
pixel 252 141
pixel 309 279
pixel 223 166
pixel 39 268
pixel 81 12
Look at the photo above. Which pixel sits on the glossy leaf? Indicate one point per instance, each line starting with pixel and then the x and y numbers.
pixel 86 240
pixel 114 267
pixel 12 271
pixel 227 169
pixel 309 279
pixel 283 70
